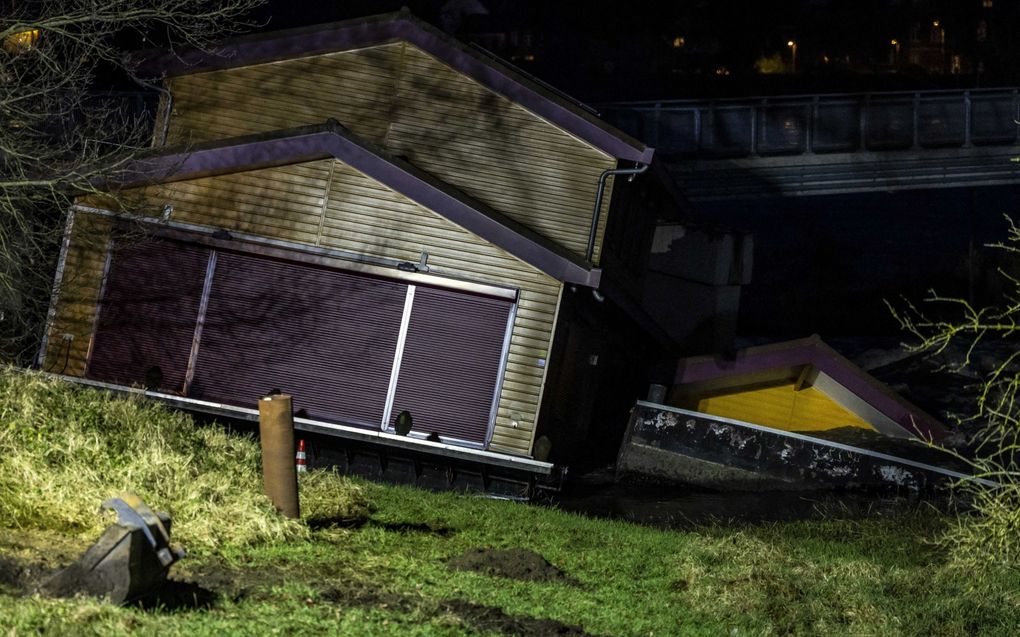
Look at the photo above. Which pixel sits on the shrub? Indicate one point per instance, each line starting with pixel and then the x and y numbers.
pixel 993 534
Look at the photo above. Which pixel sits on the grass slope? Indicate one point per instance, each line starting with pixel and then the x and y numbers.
pixel 389 574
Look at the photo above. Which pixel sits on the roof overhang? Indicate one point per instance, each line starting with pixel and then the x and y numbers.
pixel 485 68
pixel 332 140
pixel 839 378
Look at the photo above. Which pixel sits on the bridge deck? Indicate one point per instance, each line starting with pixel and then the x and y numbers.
pixel 831 144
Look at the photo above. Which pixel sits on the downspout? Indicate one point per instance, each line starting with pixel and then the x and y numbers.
pixel 637 170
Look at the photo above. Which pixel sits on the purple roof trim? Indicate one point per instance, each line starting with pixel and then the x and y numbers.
pixel 309 143
pixel 813 351
pixel 341 36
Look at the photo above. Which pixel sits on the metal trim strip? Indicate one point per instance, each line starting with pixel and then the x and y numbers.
pixel 340 430
pixel 503 358
pixel 398 356
pixel 203 305
pixel 301 253
pixel 107 261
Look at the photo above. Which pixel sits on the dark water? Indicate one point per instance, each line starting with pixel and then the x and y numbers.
pixel 678 506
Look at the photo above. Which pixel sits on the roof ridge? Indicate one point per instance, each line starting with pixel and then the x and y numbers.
pixel 488 70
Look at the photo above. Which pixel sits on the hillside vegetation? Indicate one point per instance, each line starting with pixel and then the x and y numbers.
pixel 420 563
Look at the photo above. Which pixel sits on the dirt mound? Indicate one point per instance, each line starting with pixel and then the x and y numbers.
pixel 520 564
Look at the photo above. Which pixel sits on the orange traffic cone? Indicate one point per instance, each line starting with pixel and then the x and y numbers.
pixel 299 458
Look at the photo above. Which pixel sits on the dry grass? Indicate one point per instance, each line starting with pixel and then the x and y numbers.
pixel 65 449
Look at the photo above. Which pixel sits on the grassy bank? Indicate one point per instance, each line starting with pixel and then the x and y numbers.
pixel 390 570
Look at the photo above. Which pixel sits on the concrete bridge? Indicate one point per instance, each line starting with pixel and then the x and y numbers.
pixel 831 144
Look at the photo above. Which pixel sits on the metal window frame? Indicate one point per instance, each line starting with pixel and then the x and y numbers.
pixel 504 357
pixel 107 262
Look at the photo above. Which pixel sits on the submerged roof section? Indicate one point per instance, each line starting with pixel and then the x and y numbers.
pixel 484 68
pixel 332 140
pixel 833 374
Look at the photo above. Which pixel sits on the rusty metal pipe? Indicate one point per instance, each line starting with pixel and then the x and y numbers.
pixel 276 430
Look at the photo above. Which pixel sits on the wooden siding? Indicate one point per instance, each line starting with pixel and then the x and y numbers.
pixel 77 296
pixel 413 105
pixel 330 204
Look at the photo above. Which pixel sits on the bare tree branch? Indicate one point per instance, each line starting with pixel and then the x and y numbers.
pixel 60 134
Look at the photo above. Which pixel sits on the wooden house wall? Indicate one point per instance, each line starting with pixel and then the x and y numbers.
pixel 77 295
pixel 413 105
pixel 330 204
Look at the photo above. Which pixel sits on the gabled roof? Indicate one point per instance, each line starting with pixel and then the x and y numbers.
pixel 837 377
pixel 332 140
pixel 380 29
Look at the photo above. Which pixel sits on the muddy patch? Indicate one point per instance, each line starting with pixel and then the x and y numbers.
pixel 178 595
pixel 492 619
pixel 21 577
pixel 229 582
pixel 519 564
pixel 18 576
pixel 478 617
pixel 364 595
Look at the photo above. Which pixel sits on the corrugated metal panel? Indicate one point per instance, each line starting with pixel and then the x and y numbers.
pixel 450 365
pixel 148 313
pixel 75 309
pixel 415 106
pixel 324 336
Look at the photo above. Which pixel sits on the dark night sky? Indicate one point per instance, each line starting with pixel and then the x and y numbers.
pixel 607 50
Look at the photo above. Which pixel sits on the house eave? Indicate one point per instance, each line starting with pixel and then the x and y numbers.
pixel 333 141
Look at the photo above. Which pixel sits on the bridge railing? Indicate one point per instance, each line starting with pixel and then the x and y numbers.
pixel 804 124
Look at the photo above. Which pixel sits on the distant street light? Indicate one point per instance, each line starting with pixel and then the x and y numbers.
pixel 896 51
pixel 793 56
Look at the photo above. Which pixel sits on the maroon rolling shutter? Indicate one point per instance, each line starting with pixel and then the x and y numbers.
pixel 451 362
pixel 324 336
pixel 148 313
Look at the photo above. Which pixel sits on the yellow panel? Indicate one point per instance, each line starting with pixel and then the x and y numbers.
pixel 783 408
